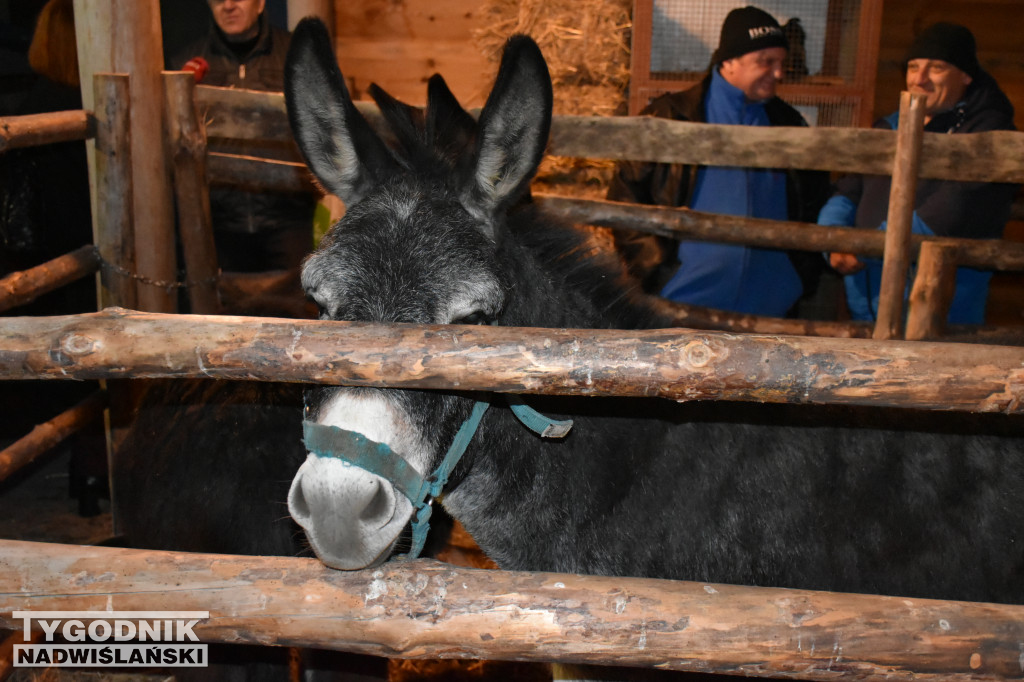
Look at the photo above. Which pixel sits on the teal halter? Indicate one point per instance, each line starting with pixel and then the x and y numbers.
pixel 379 459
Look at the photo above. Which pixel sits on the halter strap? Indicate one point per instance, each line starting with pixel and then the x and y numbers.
pixel 356 449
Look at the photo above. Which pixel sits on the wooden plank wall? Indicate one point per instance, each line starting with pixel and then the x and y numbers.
pixel 399 44
pixel 995 24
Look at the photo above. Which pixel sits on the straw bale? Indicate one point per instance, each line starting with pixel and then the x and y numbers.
pixel 586 45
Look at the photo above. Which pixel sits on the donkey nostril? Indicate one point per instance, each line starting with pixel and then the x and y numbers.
pixel 381 507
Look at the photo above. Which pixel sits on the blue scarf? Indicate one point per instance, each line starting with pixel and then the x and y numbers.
pixel 733 277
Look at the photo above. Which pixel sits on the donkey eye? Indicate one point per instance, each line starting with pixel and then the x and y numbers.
pixel 474 318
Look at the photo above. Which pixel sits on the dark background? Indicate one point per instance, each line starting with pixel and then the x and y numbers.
pixel 183 21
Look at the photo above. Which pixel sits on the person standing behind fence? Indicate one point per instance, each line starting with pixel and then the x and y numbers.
pixel 738 89
pixel 960 97
pixel 253 231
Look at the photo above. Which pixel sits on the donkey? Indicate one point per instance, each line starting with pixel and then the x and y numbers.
pixel 437 231
pixel 846 500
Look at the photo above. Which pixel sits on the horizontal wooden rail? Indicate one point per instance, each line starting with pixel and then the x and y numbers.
pixel 677 364
pixel 1000 255
pixel 689 224
pixel 424 609
pixel 19 288
pixel 44 436
pixel 699 317
pixel 238 114
pixel 994 156
pixel 36 129
pixel 258 173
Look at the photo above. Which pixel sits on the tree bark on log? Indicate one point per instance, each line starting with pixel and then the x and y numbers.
pixel 102 27
pixel 44 436
pixel 239 114
pixel 677 364
pixel 113 227
pixel 889 322
pixel 932 293
pixel 187 142
pixel 36 129
pixel 992 156
pixel 19 288
pixel 257 173
pixel 425 609
pixel 684 223
pixel 698 317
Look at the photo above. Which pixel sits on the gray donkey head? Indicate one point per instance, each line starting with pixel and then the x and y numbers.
pixel 420 242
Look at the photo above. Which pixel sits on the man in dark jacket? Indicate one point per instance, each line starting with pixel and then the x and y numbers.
pixel 739 89
pixel 253 231
pixel 960 97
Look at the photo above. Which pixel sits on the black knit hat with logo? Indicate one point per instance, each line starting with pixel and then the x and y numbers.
pixel 748 29
pixel 951 43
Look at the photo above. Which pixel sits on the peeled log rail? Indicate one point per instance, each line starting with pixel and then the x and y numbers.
pixel 699 317
pixel 993 156
pixel 239 114
pixel 259 173
pixel 19 288
pixel 684 223
pixel 889 322
pixel 44 436
pixel 35 129
pixel 424 609
pixel 187 146
pixel 990 156
pixel 678 364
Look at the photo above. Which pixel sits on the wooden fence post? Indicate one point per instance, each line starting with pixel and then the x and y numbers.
pixel 187 143
pixel 899 220
pixel 123 36
pixel 114 233
pixel 932 292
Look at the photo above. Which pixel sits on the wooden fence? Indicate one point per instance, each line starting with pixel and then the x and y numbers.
pixel 730 629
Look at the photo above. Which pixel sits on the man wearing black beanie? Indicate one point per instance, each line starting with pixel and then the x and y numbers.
pixel 960 97
pixel 738 89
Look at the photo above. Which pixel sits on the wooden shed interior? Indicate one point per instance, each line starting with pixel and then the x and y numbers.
pixel 399 44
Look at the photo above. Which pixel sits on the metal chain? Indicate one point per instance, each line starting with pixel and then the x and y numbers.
pixel 169 286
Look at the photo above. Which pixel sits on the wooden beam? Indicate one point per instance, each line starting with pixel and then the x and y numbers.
pixel 187 142
pixel 424 609
pixel 112 176
pixel 19 288
pixel 677 364
pixel 44 436
pixel 238 114
pixel 993 156
pixel 123 36
pixel 889 323
pixel 932 292
pixel 698 317
pixel 680 223
pixel 35 129
pixel 260 174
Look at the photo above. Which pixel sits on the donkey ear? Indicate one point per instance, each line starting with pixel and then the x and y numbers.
pixel 405 121
pixel 338 144
pixel 449 126
pixel 513 127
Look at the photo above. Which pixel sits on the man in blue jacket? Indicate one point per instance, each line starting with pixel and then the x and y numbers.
pixel 960 97
pixel 739 89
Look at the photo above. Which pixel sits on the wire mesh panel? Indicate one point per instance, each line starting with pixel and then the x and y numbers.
pixel 829 70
